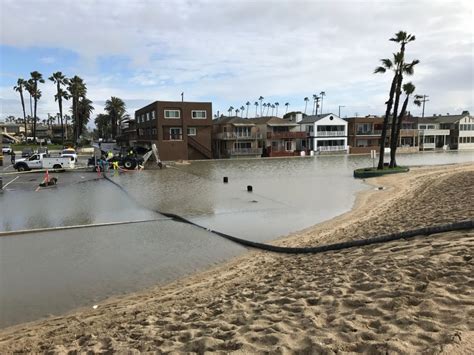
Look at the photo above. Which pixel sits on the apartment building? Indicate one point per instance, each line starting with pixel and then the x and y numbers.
pixel 235 137
pixel 180 130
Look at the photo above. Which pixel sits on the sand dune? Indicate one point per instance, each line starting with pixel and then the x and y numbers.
pixel 408 296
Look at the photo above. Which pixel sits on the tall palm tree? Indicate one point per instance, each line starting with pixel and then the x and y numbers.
pixel 322 94
pixel 287 105
pixel 36 77
pixel 398 67
pixel 276 105
pixel 305 104
pixel 84 111
pixel 77 90
pixel 19 87
pixel 268 107
pixel 261 98
pixel 256 107
pixel 230 111
pixel 242 109
pixel 264 106
pixel 116 109
pixel 248 105
pixel 315 98
pixel 60 80
pixel 408 89
pixel 237 112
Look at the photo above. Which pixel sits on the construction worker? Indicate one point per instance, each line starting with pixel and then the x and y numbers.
pixel 110 155
pixel 12 157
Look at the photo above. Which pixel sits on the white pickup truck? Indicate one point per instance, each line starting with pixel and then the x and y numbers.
pixel 42 161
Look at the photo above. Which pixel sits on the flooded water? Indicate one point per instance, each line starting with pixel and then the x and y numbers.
pixel 52 272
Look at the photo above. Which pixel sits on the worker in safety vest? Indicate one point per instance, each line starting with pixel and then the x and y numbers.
pixel 110 155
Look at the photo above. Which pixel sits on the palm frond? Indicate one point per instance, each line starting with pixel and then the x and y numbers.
pixel 379 70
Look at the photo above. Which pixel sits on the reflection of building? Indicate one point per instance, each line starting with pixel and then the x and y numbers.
pixel 278 136
pixel 235 137
pixel 327 133
pixel 181 130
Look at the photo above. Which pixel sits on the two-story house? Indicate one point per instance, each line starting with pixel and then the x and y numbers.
pixel 235 137
pixel 279 136
pixel 430 135
pixel 461 130
pixel 327 133
pixel 180 130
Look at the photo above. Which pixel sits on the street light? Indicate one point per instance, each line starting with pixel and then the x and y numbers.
pixel 340 110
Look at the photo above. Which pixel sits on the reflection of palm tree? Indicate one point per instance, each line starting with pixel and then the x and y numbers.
pixel 287 104
pixel 306 104
pixel 261 106
pixel 256 107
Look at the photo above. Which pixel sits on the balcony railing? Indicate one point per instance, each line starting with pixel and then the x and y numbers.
pixel 375 132
pixel 245 151
pixel 172 137
pixel 237 135
pixel 434 132
pixel 332 148
pixel 286 135
pixel 331 134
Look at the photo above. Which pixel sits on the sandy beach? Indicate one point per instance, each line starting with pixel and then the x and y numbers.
pixel 407 296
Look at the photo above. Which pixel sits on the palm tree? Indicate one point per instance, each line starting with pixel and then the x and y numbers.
pixel 116 109
pixel 399 67
pixel 248 105
pixel 19 87
pixel 409 89
pixel 256 107
pixel 315 98
pixel 59 79
pixel 268 107
pixel 84 111
pixel 287 105
pixel 102 122
pixel 264 105
pixel 276 105
pixel 261 106
pixel 230 111
pixel 322 93
pixel 273 108
pixel 77 90
pixel 36 77
pixel 237 112
pixel 305 104
pixel 242 109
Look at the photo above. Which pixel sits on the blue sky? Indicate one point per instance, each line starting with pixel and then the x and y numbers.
pixel 232 52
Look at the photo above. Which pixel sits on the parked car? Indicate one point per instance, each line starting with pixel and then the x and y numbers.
pixel 6 149
pixel 27 152
pixel 69 153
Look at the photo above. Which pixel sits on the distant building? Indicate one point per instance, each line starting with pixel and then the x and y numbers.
pixel 461 129
pixel 180 130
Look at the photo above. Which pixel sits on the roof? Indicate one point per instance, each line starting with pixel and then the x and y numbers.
pixel 274 121
pixel 315 118
pixel 446 118
pixel 234 120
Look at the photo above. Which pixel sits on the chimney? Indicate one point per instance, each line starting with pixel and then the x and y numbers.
pixel 299 117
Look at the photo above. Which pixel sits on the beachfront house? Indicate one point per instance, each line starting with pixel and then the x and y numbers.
pixel 235 137
pixel 180 130
pixel 279 136
pixel 327 133
pixel 461 130
pixel 430 136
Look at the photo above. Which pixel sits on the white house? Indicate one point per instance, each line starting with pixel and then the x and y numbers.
pixel 326 133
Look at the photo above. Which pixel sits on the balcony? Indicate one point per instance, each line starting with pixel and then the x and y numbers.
pixel 434 132
pixel 331 134
pixel 334 148
pixel 375 132
pixel 237 136
pixel 244 151
pixel 287 135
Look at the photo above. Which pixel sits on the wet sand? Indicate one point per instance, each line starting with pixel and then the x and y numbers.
pixel 406 296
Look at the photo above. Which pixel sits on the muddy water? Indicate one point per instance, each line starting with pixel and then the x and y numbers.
pixel 53 272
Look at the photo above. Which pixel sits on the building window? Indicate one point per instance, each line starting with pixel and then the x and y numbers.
pixel 198 114
pixel 153 115
pixel 147 117
pixel 176 134
pixel 288 146
pixel 170 114
pixel 191 131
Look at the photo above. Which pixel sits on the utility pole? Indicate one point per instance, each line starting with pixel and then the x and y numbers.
pixel 340 110
pixel 322 93
pixel 425 99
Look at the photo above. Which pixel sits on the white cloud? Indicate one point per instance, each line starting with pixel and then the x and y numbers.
pixel 234 51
